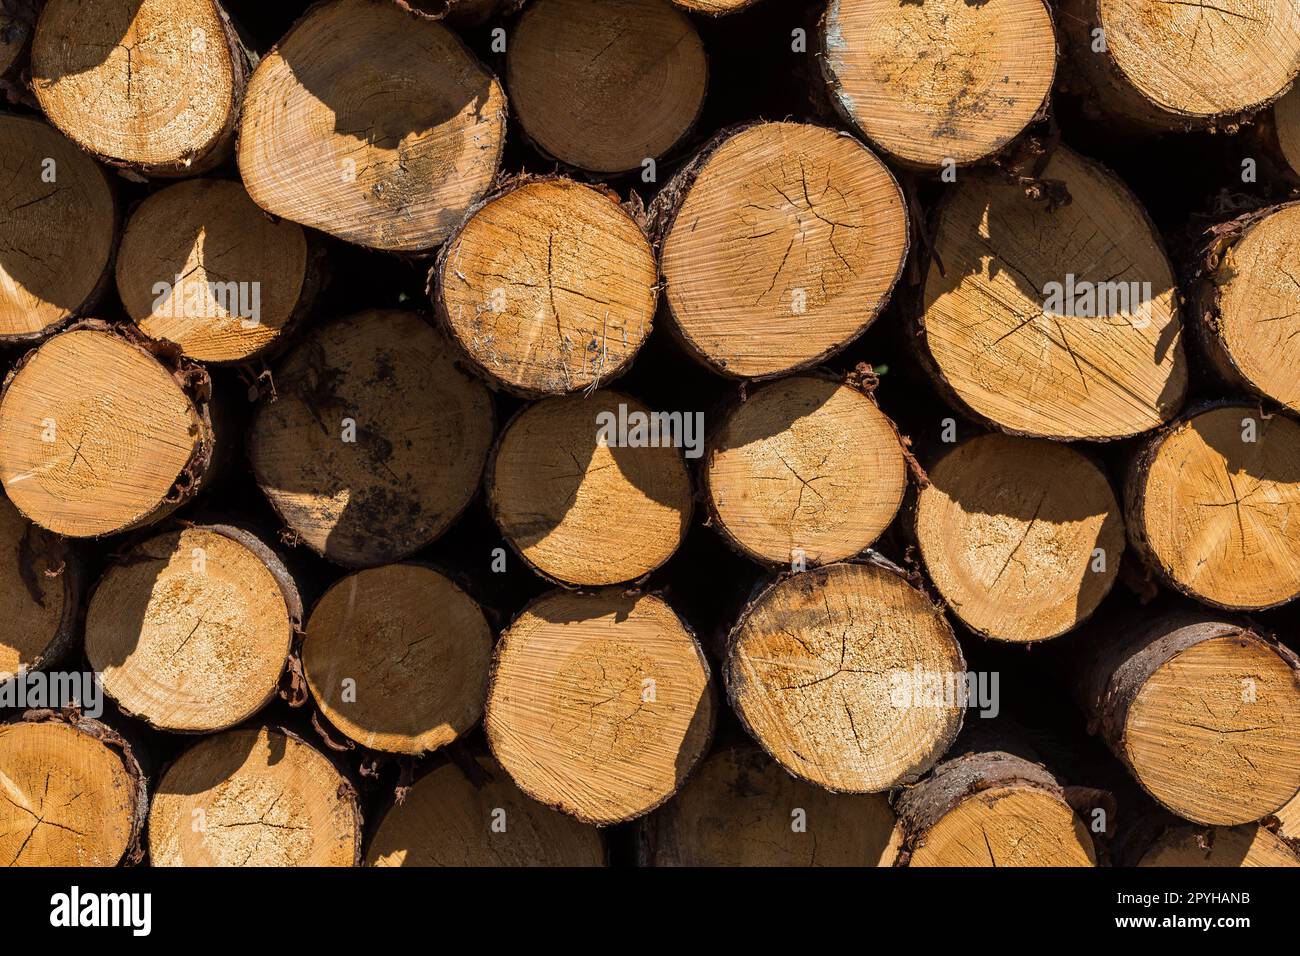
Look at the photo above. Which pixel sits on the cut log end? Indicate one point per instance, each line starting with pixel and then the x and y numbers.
pixel 97 436
pixel 783 242
pixel 578 503
pixel 613 94
pixel 549 288
pixel 376 441
pixel 830 672
pixel 254 797
pixel 785 486
pixel 742 809
pixel 1286 125
pixel 395 172
pixel 599 704
pixel 446 820
pixel 202 266
pixel 397 659
pixel 39 595
pixel 1021 537
pixel 191 629
pixel 934 83
pixel 1249 845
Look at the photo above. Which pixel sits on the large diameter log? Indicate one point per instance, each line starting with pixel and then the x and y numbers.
pixel 375 441
pixel 990 808
pixel 254 797
pixel 447 819
pixel 782 484
pixel 1161 66
pixel 191 629
pixel 74 793
pixel 584 507
pixel 1212 504
pixel 59 223
pixel 828 670
pixel 202 266
pixel 1204 711
pixel 605 85
pixel 781 243
pixel 396 171
pixel 742 809
pixel 154 85
pixel 549 287
pixel 943 81
pixel 397 658
pixel 599 704
pixel 40 595
pixel 1223 847
pixel 1247 304
pixel 1054 322
pixel 1021 537
pixel 98 434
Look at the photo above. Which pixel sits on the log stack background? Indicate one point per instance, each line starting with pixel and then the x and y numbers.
pixel 363 585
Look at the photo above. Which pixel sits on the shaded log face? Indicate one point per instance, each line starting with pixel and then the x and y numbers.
pixel 1248 845
pixel 1286 123
pixel 34 599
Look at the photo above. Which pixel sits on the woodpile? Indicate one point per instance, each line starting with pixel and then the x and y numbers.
pixel 659 433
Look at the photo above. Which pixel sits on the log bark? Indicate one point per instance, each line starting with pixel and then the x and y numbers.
pixel 621 90
pixel 1021 537
pixel 191 629
pixel 782 484
pixel 779 244
pixel 991 808
pixel 375 441
pixel 448 820
pixel 1202 709
pixel 41 582
pixel 151 85
pixel 582 507
pixel 397 659
pixel 202 266
pixel 255 796
pixel 394 172
pixel 60 211
pixel 102 431
pixel 713 8
pixel 828 670
pixel 549 287
pixel 939 82
pixel 742 809
pixel 77 794
pixel 599 704
pixel 1212 503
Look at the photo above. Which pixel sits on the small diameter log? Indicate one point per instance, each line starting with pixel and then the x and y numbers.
pixel 605 85
pixel 582 506
pixel 991 808
pixel 1162 66
pixel 1289 821
pixel 713 8
pixel 1212 504
pixel 1053 322
pixel 397 658
pixel 939 82
pixel 154 85
pixel 1204 711
pixel 741 809
pixel 190 630
pixel 396 171
pixel 1247 306
pixel 98 435
pixel 75 794
pixel 40 595
pixel 1249 845
pixel 549 287
pixel 59 218
pixel 785 486
pixel 254 797
pixel 375 442
pixel 1021 537
pixel 780 244
pixel 202 266
pixel 831 671
pixel 447 820
pixel 599 704
pixel 1286 128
